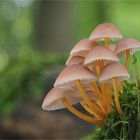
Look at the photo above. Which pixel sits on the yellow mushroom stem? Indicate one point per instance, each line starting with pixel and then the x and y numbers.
pixel 100 100
pixel 79 114
pixel 94 87
pixel 102 87
pixel 97 70
pixel 102 105
pixel 127 58
pixel 106 96
pixel 116 96
pixel 121 85
pixel 99 66
pixel 106 89
pixel 86 107
pixel 88 101
pixel 106 42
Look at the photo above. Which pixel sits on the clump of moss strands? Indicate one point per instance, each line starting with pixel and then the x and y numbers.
pixel 127 126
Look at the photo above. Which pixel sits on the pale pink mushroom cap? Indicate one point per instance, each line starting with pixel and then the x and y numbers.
pixel 72 73
pixel 106 30
pixel 112 47
pixel 72 60
pixel 114 70
pixel 53 99
pixel 128 43
pixel 100 53
pixel 83 47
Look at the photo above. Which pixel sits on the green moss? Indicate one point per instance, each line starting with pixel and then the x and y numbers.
pixel 126 126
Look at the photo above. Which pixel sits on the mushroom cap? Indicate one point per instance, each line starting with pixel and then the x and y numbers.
pixel 72 60
pixel 106 30
pixel 83 47
pixel 100 53
pixel 72 73
pixel 128 43
pixel 53 99
pixel 114 70
pixel 112 47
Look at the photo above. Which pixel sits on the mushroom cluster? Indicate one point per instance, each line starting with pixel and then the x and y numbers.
pixel 94 75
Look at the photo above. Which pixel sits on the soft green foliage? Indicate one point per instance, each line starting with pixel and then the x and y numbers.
pixel 23 69
pixel 24 78
pixel 126 126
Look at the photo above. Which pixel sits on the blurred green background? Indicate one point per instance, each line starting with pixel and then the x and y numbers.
pixel 35 39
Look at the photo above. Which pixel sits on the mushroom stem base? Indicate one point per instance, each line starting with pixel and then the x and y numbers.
pixel 79 114
pixel 86 107
pixel 93 106
pixel 106 91
pixel 101 102
pixel 116 96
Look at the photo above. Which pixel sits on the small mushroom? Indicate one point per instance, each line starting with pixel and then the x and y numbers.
pixel 53 99
pixel 98 56
pixel 59 98
pixel 114 72
pixel 77 75
pixel 106 31
pixel 73 73
pixel 74 59
pixel 83 47
pixel 127 46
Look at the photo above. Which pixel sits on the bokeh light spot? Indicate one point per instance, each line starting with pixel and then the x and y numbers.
pixel 9 10
pixel 22 27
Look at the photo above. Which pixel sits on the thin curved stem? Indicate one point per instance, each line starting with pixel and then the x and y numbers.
pixel 94 86
pixel 91 104
pixel 79 114
pixel 127 53
pixel 116 96
pixel 109 97
pixel 106 95
pixel 106 42
pixel 101 65
pixel 127 58
pixel 86 107
pixel 100 101
pixel 106 90
pixel 121 85
pixel 97 70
